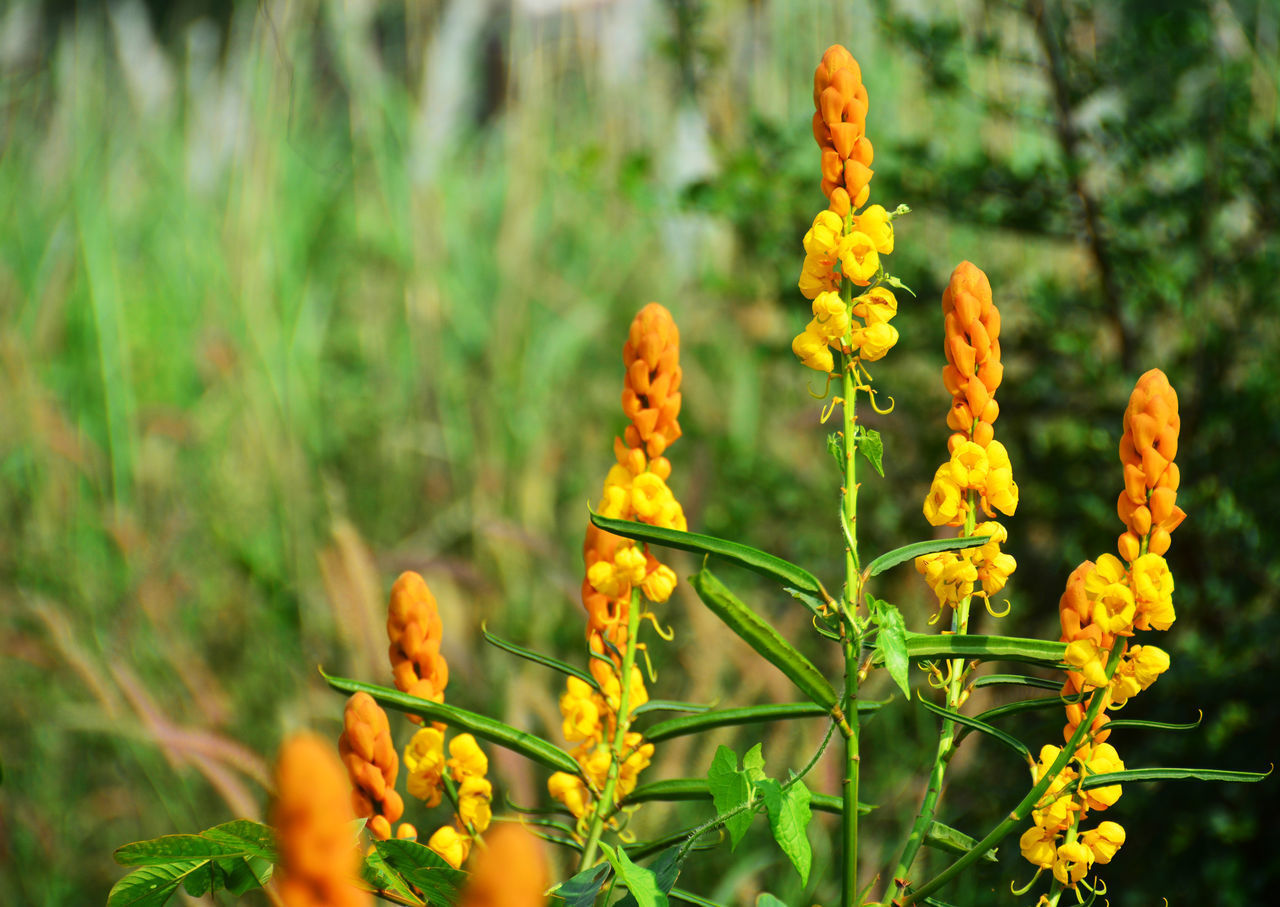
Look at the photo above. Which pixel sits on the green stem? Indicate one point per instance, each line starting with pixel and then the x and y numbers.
pixel 852 639
pixel 622 725
pixel 946 739
pixel 1023 809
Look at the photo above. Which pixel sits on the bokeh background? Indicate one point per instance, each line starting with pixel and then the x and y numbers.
pixel 297 295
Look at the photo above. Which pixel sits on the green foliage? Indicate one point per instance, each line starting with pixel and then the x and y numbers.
pixel 234 856
pixel 914 550
pixel 871 446
pixel 891 640
pixel 640 882
pixel 789 817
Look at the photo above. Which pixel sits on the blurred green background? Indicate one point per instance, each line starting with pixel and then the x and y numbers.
pixel 298 295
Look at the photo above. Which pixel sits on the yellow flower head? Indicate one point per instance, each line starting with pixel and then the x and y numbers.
pixel 1153 592
pixel 945 504
pixel 969 466
pixel 569 790
pixel 824 236
pixel 452 845
pixel 1104 841
pixel 581 710
pixel 811 347
pixel 876 306
pixel 1072 863
pixel 1039 846
pixel 1001 491
pixel 659 584
pixel 874 222
pixel 818 275
pixel 1103 759
pixel 830 317
pixel 874 340
pixel 859 260
pixel 474 797
pixel 424 760
pixel 466 760
pixel 649 494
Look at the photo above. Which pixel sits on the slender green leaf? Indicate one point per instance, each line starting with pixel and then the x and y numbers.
pixel 670 705
pixel 1043 683
pixel 522 742
pixel 984 648
pixel 1121 723
pixel 915 549
pixel 170 849
pixel 1026 705
pixel 1169 774
pixel 381 877
pixel 731 788
pixel 582 889
pixel 690 898
pixel 934 902
pixel 871 446
pixel 763 638
pixel 789 817
pixel 817 606
pixel 152 886
pixel 638 850
pixel 681 789
pixel 641 882
pixel 944 837
pixel 423 868
pixel 665 869
pixel 892 641
pixel 755 714
pixel 1007 739
pixel 753 559
pixel 537 657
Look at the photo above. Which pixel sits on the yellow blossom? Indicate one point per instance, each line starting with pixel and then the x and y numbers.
pixel 451 845
pixel 817 276
pixel 876 306
pixel 648 495
pixel 1001 491
pixel 569 790
pixel 1103 759
pixel 1039 846
pixel 467 760
pixel 659 584
pixel 824 236
pixel 874 340
pixel 945 504
pixel 1104 841
pixel 874 222
pixel 859 260
pixel 1072 863
pixel 950 576
pixel 811 348
pixel 1153 592
pixel 581 713
pixel 969 466
pixel 424 760
pixel 830 317
pixel 474 796
pixel 1089 659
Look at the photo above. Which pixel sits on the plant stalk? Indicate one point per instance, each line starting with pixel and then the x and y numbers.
pixel 852 638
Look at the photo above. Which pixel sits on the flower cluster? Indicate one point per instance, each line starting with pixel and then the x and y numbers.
pixel 841 244
pixel 415 631
pixel 312 815
pixel 1103 605
pixel 978 473
pixel 635 489
pixel 369 754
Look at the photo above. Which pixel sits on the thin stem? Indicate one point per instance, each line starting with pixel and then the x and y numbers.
pixel 622 724
pixel 946 738
pixel 852 639
pixel 1023 809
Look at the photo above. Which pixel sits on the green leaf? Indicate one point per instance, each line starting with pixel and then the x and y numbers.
pixel 892 640
pixel 248 874
pixel 424 869
pixel 1007 739
pixel 665 869
pixel 1026 705
pixel 169 849
pixel 382 877
pixel 582 889
pixel 753 763
pixel 522 742
pixel 816 606
pixel 909 552
pixel 763 638
pixel 537 657
pixel 1120 723
pixel 756 714
pixel 944 837
pixel 690 898
pixel 765 564
pixel 1169 774
pixel 681 789
pixel 872 447
pixel 764 899
pixel 152 886
pixel 236 855
pixel 984 648
pixel 1043 683
pixel 641 882
pixel 731 788
pixel 789 817
pixel 670 705
pixel 248 838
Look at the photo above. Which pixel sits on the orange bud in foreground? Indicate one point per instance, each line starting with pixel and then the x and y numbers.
pixel 510 870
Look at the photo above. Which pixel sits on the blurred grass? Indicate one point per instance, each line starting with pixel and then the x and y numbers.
pixel 280 321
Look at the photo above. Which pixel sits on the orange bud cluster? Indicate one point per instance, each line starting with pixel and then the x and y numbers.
pixel 651 393
pixel 415 632
pixel 511 871
pixel 840 127
pixel 1148 504
pixel 972 346
pixel 370 756
pixel 312 815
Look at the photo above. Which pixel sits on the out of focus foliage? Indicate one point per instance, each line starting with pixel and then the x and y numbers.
pixel 294 296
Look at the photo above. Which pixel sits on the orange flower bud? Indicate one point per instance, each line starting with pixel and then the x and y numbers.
pixel 415 632
pixel 372 764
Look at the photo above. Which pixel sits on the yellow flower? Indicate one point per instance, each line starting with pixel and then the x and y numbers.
pixel 830 317
pixel 874 340
pixel 1089 659
pixel 1073 863
pixel 648 495
pixel 1103 759
pixel 812 349
pixel 474 796
pixel 949 575
pixel 945 504
pixel 994 566
pixel 1113 608
pixel 466 760
pixel 616 503
pixel 671 516
pixel 817 276
pixel 1039 846
pixel 874 222
pixel 569 790
pixel 581 713
pixel 876 306
pixel 1153 592
pixel 858 258
pixel 451 845
pixel 612 689
pixel 659 584
pixel 1104 841
pixel 1001 491
pixel 824 236
pixel 424 760
pixel 969 466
